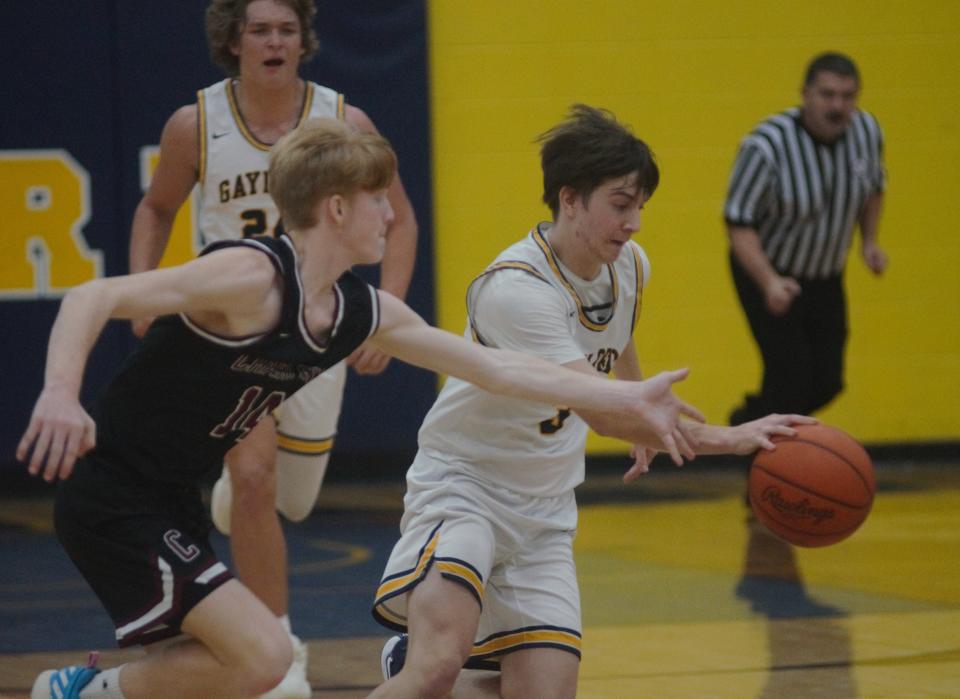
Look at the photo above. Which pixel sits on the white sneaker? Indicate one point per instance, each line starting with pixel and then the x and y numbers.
pixel 294 684
pixel 221 498
pixel 65 683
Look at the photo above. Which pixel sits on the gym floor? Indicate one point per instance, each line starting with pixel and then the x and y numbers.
pixel 683 594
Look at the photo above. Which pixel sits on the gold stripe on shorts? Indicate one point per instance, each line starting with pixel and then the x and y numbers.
pixel 533 636
pixel 384 613
pixel 460 572
pixel 395 584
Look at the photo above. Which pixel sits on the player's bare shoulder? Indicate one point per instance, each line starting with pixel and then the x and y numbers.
pixel 180 137
pixel 242 271
pixel 183 123
pixel 358 119
pixel 237 290
pixel 255 270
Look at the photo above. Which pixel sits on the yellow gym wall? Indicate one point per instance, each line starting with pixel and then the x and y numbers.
pixel 692 77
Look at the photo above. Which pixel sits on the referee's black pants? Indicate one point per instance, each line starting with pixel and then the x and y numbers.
pixel 802 350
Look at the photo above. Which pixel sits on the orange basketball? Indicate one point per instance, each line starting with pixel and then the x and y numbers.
pixel 814 489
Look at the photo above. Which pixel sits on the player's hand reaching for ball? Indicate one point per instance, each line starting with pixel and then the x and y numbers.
pixel 59 432
pixel 757 434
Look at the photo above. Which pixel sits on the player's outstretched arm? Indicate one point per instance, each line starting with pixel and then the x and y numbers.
pixel 236 286
pixel 741 440
pixel 748 437
pixel 707 439
pixel 650 403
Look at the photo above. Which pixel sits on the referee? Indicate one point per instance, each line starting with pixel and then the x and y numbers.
pixel 802 180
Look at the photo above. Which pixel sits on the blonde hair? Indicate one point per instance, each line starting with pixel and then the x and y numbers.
pixel 324 157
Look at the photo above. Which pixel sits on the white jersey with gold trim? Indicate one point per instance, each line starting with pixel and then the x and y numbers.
pixel 234 192
pixel 527 300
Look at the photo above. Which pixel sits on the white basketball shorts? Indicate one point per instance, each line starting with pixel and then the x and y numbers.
pixel 514 553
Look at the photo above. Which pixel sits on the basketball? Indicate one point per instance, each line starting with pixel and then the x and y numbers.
pixel 814 489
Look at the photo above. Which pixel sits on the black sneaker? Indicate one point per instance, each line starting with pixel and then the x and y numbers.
pixel 393 656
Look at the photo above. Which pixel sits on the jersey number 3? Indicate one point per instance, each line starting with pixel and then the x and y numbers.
pixel 555 423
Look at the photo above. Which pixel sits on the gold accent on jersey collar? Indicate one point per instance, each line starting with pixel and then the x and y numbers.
pixel 541 240
pixel 245 130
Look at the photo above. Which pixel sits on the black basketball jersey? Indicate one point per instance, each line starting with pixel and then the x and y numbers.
pixel 186 396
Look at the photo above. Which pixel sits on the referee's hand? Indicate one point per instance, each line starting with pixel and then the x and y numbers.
pixel 874 257
pixel 780 293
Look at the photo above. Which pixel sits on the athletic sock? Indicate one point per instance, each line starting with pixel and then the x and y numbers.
pixel 105 685
pixel 285 623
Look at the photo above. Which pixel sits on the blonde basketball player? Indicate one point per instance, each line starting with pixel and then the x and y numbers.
pixel 222 142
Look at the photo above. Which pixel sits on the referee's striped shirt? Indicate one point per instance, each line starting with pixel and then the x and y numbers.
pixel 804 197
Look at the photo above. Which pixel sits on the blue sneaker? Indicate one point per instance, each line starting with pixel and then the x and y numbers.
pixel 65 683
pixel 393 656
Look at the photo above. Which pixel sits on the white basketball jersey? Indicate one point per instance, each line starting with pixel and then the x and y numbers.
pixel 234 192
pixel 519 444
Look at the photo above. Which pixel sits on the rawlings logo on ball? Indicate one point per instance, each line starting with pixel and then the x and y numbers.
pixel 797 508
pixel 815 488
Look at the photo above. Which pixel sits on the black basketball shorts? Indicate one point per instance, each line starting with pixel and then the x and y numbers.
pixel 142 546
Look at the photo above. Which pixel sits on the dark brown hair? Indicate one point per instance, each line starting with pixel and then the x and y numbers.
pixel 589 148
pixel 831 62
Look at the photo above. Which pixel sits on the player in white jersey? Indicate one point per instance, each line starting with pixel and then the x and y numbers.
pixel 234 187
pixel 539 449
pixel 483 575
pixel 222 144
